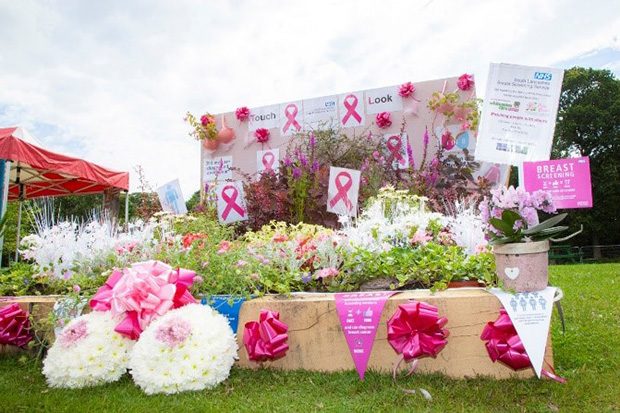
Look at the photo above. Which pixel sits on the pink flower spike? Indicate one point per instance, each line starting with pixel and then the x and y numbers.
pixel 242 113
pixel 406 89
pixel 383 120
pixel 465 82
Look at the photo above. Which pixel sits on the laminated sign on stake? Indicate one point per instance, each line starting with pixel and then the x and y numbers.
pixel 171 198
pixel 268 160
pixel 343 191
pixel 518 114
pixel 231 202
pixel 530 313
pixel 395 149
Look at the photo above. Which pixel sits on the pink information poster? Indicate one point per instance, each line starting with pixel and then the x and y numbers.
pixel 568 180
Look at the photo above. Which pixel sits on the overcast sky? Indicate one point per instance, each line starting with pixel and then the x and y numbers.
pixel 110 81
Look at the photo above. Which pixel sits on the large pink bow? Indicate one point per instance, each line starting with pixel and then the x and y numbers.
pixel 267 338
pixel 503 344
pixel 14 326
pixel 416 330
pixel 143 292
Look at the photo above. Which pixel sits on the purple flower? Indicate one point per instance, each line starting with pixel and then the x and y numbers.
pixel 410 153
pixel 426 137
pixel 206 187
pixel 315 166
pixel 312 140
pixel 296 173
pixel 376 155
pixel 306 278
pixel 303 160
pixel 287 162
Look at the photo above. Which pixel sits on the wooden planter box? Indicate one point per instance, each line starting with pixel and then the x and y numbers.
pixel 317 343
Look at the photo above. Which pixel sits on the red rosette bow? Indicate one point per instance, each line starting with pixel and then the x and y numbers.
pixel 503 344
pixel 142 293
pixel 416 330
pixel 267 338
pixel 14 326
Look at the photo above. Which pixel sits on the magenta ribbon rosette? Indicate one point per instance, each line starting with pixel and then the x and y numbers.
pixel 415 331
pixel 267 338
pixel 143 292
pixel 503 344
pixel 14 326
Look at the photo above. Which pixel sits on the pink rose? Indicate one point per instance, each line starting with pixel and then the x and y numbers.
pixel 447 140
pixel 262 135
pixel 242 113
pixel 465 82
pixel 406 89
pixel 383 120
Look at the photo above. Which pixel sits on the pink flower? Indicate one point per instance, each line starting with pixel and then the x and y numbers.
pixel 420 237
pixel 224 247
pixel 465 126
pixel 465 82
pixel 376 155
pixel 242 113
pixel 406 89
pixel 198 279
pixel 326 273
pixel 262 135
pixel 241 263
pixel 383 120
pixel 76 288
pixel 482 247
pixel 173 332
pixel 279 238
pixel 447 140
pixel 126 247
pixel 206 120
pixel 72 335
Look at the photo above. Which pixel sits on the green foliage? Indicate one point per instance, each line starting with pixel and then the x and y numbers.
pixel 546 230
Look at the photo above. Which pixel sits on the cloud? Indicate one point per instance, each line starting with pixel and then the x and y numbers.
pixel 111 81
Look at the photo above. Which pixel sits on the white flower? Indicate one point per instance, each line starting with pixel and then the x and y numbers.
pixel 189 348
pixel 87 352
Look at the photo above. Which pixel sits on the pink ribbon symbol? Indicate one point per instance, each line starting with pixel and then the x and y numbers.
pixel 231 201
pixel 394 145
pixel 268 161
pixel 290 116
pixel 350 107
pixel 343 190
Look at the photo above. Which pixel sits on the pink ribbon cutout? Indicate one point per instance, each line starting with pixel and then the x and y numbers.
pixel 231 202
pixel 14 326
pixel 343 190
pixel 415 331
pixel 268 163
pixel 290 116
pixel 142 293
pixel 350 107
pixel 394 145
pixel 503 344
pixel 267 338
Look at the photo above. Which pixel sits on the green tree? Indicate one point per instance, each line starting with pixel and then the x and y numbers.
pixel 589 125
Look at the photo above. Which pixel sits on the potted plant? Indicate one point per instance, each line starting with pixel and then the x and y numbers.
pixel 520 241
pixel 204 130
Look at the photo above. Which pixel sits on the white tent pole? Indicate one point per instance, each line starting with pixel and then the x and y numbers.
pixel 127 209
pixel 19 221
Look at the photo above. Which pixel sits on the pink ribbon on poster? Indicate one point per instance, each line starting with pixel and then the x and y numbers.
pixel 14 326
pixel 343 190
pixel 350 107
pixel 503 344
pixel 231 201
pixel 395 145
pixel 291 117
pixel 415 331
pixel 267 338
pixel 142 293
pixel 268 161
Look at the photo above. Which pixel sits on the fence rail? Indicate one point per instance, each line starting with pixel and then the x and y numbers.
pixel 565 254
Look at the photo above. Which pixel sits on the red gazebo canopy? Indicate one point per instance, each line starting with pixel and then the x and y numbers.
pixel 45 173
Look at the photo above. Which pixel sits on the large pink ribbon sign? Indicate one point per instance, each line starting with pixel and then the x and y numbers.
pixel 395 145
pixel 343 190
pixel 350 104
pixel 231 201
pixel 290 111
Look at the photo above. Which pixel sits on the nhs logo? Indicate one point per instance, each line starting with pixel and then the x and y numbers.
pixel 542 76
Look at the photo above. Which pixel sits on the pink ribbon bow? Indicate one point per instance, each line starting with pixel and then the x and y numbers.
pixel 14 326
pixel 416 330
pixel 267 338
pixel 503 344
pixel 142 293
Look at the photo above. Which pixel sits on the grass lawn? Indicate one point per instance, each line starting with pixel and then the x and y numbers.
pixel 587 355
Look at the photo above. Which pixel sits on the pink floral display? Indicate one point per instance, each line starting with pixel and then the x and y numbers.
pixel 406 89
pixel 447 140
pixel 173 332
pixel 207 120
pixel 242 113
pixel 326 273
pixel 14 326
pixel 465 82
pixel 383 120
pixel 70 336
pixel 262 135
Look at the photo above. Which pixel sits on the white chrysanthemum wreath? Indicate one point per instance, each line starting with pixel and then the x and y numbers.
pixel 190 348
pixel 87 352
